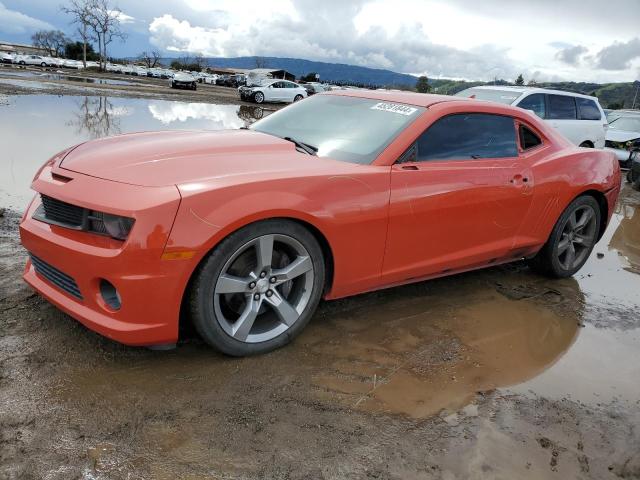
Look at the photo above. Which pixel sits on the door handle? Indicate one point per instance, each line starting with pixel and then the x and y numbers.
pixel 409 167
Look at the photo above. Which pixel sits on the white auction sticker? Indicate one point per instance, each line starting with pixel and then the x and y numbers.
pixel 394 108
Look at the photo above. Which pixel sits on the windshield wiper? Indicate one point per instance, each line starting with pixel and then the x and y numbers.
pixel 310 149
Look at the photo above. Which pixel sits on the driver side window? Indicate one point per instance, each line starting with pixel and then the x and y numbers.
pixel 468 136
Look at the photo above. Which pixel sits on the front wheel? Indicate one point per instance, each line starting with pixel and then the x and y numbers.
pixel 297 98
pixel 571 241
pixel 259 288
pixel 258 97
pixel 43 65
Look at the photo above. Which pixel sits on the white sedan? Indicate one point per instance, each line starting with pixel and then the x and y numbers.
pixel 273 91
pixel 32 60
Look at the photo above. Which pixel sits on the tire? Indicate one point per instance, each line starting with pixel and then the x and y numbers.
pixel 586 144
pixel 555 260
pixel 43 65
pixel 229 282
pixel 258 97
pixel 297 98
pixel 21 62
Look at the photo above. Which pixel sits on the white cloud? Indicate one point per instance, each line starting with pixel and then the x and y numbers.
pixel 14 22
pixel 123 17
pixel 434 37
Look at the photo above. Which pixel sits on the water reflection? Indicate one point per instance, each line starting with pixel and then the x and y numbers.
pixel 35 127
pixel 626 239
pixel 427 354
pixel 97 118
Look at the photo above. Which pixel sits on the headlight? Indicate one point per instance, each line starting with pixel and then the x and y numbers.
pixel 113 225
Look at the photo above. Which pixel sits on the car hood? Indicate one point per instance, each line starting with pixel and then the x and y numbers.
pixel 178 157
pixel 184 77
pixel 614 135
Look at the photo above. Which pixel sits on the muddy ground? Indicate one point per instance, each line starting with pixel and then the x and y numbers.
pixel 492 374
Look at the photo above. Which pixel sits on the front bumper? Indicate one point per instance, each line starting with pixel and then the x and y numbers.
pixel 151 289
pixel 623 156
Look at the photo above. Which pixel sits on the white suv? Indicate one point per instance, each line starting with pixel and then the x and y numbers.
pixel 578 117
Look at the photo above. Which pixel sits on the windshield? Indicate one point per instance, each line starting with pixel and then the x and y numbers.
pixel 631 124
pixel 501 96
pixel 344 128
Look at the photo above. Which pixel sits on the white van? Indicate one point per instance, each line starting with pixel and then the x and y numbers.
pixel 578 117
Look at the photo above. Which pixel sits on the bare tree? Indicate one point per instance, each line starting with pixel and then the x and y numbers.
pixel 105 21
pixel 261 62
pixel 200 61
pixel 53 41
pixel 150 59
pixel 81 12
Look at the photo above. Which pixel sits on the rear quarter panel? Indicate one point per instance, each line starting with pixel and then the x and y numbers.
pixel 562 176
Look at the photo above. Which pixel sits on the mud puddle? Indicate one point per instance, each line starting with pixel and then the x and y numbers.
pixel 59 122
pixel 62 76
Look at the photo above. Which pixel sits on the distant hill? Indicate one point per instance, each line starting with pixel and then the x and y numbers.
pixel 611 95
pixel 329 72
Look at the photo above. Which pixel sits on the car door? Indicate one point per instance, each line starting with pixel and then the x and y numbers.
pixel 457 197
pixel 562 114
pixel 276 92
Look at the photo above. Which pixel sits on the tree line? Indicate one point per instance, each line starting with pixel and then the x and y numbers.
pixel 95 21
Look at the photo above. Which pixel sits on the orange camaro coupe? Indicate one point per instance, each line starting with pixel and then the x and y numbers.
pixel 342 193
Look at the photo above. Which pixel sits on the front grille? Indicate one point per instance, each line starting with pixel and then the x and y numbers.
pixel 62 212
pixel 60 279
pixel 616 145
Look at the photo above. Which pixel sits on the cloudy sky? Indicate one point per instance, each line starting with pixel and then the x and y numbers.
pixel 582 40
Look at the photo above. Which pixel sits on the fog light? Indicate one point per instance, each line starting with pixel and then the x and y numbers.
pixel 110 295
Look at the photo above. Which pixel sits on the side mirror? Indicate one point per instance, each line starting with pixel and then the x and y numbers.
pixel 411 155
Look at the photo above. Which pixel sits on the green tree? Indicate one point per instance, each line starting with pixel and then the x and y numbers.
pixel 520 80
pixel 74 51
pixel 422 85
pixel 309 77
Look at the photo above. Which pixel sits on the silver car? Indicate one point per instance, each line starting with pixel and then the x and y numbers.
pixel 623 137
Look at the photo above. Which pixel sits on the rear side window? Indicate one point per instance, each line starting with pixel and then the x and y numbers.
pixel 562 107
pixel 528 139
pixel 536 103
pixel 468 136
pixel 587 109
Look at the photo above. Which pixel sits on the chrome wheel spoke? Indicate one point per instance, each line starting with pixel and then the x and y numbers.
pixel 570 257
pixel 563 245
pixel 299 266
pixel 585 219
pixel 232 284
pixel 242 326
pixel 285 311
pixel 264 251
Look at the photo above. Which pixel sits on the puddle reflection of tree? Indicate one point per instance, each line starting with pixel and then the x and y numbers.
pixel 95 117
pixel 250 114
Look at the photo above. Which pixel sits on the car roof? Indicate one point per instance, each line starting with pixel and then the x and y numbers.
pixel 523 89
pixel 410 98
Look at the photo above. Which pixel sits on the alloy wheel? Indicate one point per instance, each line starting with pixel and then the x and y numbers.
pixel 577 238
pixel 263 288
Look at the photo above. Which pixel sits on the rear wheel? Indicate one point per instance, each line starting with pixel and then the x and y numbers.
pixel 259 288
pixel 571 241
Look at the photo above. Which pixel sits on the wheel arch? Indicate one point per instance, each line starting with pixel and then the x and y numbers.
pixel 604 207
pixel 319 235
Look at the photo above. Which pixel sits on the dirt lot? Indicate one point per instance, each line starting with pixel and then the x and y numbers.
pixel 492 374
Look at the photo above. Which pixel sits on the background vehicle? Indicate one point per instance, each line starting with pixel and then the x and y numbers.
pixel 273 91
pixel 623 137
pixel 183 80
pixel 314 87
pixel 33 60
pixel 633 176
pixel 580 118
pixel 6 57
pixel 250 228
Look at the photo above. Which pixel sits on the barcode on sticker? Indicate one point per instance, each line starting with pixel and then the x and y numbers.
pixel 394 108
